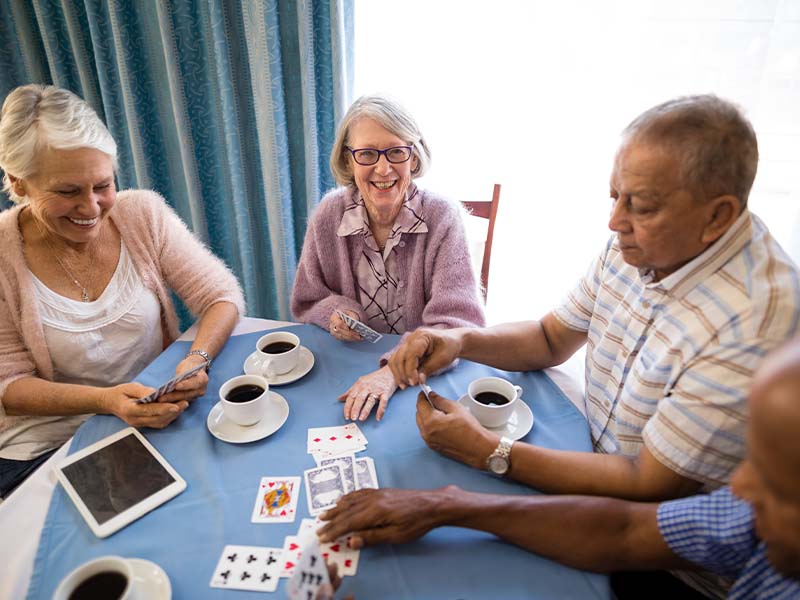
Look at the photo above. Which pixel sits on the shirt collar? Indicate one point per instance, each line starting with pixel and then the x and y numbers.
pixel 410 219
pixel 679 283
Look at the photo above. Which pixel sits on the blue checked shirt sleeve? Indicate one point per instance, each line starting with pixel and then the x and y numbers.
pixel 713 531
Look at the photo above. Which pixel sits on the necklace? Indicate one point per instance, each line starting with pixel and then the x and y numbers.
pixel 84 292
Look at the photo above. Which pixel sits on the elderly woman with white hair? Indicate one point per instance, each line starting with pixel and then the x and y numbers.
pixel 85 280
pixel 382 250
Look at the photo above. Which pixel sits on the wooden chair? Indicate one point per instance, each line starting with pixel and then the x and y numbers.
pixel 486 209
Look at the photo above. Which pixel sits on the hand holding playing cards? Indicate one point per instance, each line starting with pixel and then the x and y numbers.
pixel 120 400
pixel 424 352
pixel 368 391
pixel 453 431
pixel 192 388
pixel 340 330
pixel 386 516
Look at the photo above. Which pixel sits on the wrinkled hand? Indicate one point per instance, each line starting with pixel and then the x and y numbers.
pixel 385 516
pixel 192 388
pixel 120 401
pixel 424 352
pixel 453 431
pixel 371 389
pixel 339 328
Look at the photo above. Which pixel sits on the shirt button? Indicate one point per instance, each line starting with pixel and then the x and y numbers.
pixel 401 284
pixel 402 244
pixel 646 303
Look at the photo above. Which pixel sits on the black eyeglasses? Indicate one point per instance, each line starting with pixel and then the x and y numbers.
pixel 370 156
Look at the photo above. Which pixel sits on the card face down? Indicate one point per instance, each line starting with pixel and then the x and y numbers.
pixel 324 487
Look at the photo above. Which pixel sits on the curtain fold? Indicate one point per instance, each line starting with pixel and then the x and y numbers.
pixel 227 108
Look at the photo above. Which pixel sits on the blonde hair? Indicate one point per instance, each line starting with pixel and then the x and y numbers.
pixel 393 118
pixel 44 116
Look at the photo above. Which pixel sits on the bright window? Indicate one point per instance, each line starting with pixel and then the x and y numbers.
pixel 533 95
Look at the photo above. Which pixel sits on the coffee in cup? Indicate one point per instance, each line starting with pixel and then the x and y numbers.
pixel 245 399
pixel 492 400
pixel 108 577
pixel 277 353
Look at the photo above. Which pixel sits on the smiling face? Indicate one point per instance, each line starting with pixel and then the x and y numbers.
pixel 71 193
pixel 659 224
pixel 768 477
pixel 382 185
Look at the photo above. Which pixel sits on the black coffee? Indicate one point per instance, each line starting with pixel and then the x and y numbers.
pixel 244 393
pixel 107 585
pixel 491 398
pixel 277 347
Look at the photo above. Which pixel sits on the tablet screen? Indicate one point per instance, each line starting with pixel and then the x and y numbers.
pixel 116 477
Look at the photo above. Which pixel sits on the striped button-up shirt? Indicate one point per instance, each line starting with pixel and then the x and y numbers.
pixel 716 532
pixel 669 362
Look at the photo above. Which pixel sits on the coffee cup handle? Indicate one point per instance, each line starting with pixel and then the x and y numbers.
pixel 519 391
pixel 264 367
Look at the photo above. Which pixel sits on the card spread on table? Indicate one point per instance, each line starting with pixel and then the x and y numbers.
pixel 347 462
pixel 324 487
pixel 365 475
pixel 310 573
pixel 335 440
pixel 276 500
pixel 291 554
pixel 362 329
pixel 251 568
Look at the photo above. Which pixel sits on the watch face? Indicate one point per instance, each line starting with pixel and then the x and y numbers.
pixel 498 465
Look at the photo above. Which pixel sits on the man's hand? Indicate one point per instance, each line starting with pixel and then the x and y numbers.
pixel 453 431
pixel 385 516
pixel 424 352
pixel 368 391
pixel 120 400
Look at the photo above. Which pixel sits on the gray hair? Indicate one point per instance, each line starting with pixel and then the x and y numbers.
pixel 35 117
pixel 392 117
pixel 713 141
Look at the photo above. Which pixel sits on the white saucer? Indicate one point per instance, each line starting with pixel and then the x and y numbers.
pixel 226 430
pixel 151 580
pixel 519 423
pixel 304 365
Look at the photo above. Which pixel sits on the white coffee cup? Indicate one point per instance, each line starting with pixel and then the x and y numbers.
pixel 110 577
pixel 239 406
pixel 486 396
pixel 277 363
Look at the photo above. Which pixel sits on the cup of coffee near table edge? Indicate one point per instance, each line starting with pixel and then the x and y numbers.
pixel 109 577
pixel 278 353
pixel 492 399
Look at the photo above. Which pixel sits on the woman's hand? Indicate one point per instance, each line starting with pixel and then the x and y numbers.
pixel 120 400
pixel 339 328
pixel 371 389
pixel 192 388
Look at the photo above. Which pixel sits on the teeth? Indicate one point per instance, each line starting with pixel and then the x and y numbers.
pixel 383 185
pixel 83 221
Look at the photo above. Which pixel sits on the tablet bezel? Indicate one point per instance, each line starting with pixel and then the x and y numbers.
pixel 137 510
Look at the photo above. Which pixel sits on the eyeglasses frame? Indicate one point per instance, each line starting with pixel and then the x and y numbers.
pixel 381 152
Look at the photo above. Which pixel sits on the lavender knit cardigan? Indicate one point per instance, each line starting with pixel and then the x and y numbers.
pixel 165 254
pixel 435 270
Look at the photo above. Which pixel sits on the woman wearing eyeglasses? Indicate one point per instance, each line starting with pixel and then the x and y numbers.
pixel 380 249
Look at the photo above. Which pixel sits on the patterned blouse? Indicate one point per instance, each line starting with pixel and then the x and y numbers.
pixel 380 291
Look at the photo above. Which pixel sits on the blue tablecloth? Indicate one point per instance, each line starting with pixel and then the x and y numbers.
pixel 187 534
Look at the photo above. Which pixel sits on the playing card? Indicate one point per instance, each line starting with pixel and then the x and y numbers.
pixel 347 462
pixel 291 554
pixel 365 475
pixel 324 487
pixel 334 440
pixel 170 385
pixel 365 331
pixel 339 553
pixel 248 568
pixel 276 500
pixel 324 455
pixel 310 573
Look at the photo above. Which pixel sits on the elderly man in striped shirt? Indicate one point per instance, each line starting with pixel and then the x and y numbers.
pixel 677 312
pixel 748 533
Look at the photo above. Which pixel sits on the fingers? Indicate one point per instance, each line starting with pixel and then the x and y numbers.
pixel 382 403
pixel 339 329
pixel 156 415
pixel 369 403
pixel 443 404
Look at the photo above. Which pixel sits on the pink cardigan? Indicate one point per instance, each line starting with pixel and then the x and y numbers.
pixel 435 268
pixel 165 254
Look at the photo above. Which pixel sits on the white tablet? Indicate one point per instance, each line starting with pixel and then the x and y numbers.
pixel 117 480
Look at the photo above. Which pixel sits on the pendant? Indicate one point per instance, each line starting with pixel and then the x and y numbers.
pixel 85 296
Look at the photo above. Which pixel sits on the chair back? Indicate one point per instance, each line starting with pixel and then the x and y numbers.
pixel 486 209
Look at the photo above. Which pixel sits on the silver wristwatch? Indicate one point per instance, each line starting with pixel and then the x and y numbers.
pixel 499 461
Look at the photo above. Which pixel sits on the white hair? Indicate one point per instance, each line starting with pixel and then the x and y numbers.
pixel 35 117
pixel 393 118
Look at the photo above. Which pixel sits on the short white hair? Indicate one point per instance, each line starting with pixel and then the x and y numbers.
pixel 37 116
pixel 390 115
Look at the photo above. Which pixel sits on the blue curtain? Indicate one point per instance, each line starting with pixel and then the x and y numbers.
pixel 227 108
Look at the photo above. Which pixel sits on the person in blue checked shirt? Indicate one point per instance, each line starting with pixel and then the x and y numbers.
pixel 748 532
